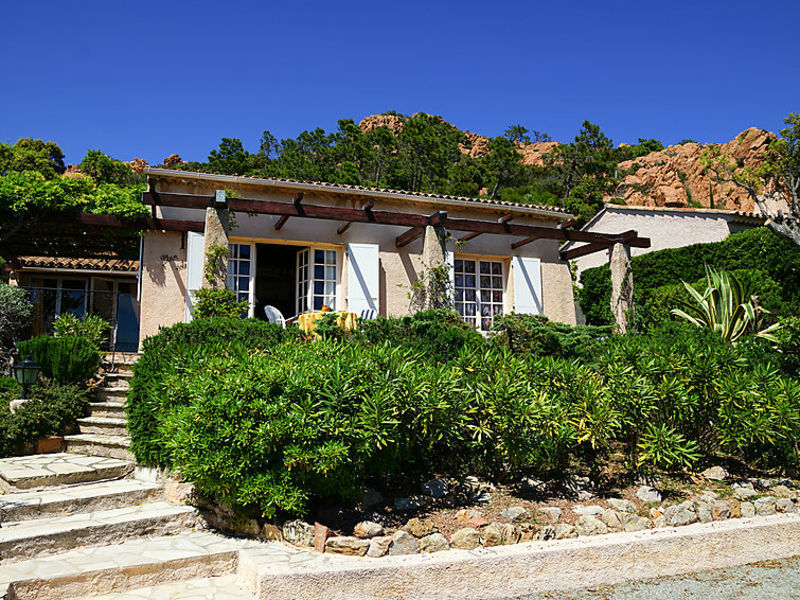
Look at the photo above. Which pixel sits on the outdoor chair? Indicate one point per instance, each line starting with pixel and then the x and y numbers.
pixel 368 314
pixel 274 315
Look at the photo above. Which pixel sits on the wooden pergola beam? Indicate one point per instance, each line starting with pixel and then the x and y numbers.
pixel 367 211
pixel 504 219
pixel 590 248
pixel 297 206
pixel 522 242
pixel 140 223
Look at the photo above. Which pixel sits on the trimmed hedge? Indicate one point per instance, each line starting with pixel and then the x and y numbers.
pixel 65 360
pixel 755 249
pixel 536 334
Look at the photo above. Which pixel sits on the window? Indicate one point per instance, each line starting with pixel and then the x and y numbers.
pixel 479 291
pixel 240 271
pixel 317 275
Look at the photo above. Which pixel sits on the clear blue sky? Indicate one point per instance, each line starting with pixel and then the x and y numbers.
pixel 151 78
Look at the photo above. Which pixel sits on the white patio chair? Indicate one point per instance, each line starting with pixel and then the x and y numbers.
pixel 274 315
pixel 368 314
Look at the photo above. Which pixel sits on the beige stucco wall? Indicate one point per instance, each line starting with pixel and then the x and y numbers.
pixel 163 281
pixel 398 268
pixel 665 228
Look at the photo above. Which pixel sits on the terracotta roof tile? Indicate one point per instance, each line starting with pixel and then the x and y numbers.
pixel 89 264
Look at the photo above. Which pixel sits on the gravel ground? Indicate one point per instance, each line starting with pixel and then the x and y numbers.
pixel 774 580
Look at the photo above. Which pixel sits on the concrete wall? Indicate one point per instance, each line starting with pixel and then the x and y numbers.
pixel 666 229
pixel 163 285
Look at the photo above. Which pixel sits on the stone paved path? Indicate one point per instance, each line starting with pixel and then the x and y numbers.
pixel 228 587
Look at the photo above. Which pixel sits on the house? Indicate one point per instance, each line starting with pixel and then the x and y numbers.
pixel 665 227
pixel 300 245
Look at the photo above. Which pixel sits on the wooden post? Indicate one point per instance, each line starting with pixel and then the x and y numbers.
pixel 621 286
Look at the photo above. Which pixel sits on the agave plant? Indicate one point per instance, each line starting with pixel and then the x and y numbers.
pixel 722 307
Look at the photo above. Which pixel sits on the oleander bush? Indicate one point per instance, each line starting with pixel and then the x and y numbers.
pixel 65 360
pixel 15 319
pixel 271 423
pixel 93 328
pixel 52 410
pixel 536 334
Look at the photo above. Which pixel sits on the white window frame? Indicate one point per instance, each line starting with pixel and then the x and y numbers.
pixel 476 320
pixel 233 275
pixel 307 304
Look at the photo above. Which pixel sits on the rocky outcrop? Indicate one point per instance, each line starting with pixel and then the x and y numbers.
pixel 675 176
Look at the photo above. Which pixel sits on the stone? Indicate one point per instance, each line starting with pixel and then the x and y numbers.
pixel 748 510
pixel 715 473
pixel 464 515
pixel 402 544
pixel 589 525
pixel 587 510
pixel 612 518
pixel 565 530
pixel 703 511
pixel 781 491
pixel 477 522
pixel 435 488
pixel 529 485
pixel 528 532
pixel 679 515
pixel 271 533
pixel 744 492
pixel 434 542
pixel 410 503
pixel 419 528
pixel 510 533
pixel 708 495
pixel 736 508
pixel 348 545
pixel 648 494
pixel 470 484
pixel 547 533
pixel 656 511
pixel 371 499
pixel 621 285
pixel 482 497
pixel 299 533
pixel 633 522
pixel 625 506
pixel 379 546
pixel 766 506
pixel 785 505
pixel 321 535
pixel 368 529
pixel 720 510
pixel 466 539
pixel 491 535
pixel 515 514
pixel 553 513
pixel 659 522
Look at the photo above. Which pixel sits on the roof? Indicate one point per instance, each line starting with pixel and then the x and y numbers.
pixel 555 212
pixel 80 264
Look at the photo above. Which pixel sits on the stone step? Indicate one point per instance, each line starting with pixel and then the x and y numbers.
pixel 61 468
pixel 87 497
pixel 114 410
pixel 226 587
pixel 133 565
pixel 111 394
pixel 103 426
pixel 93 444
pixel 23 540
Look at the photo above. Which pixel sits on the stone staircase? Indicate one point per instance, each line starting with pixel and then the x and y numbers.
pixel 78 524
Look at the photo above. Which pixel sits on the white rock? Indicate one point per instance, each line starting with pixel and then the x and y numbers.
pixel 588 525
pixel 587 510
pixel 434 542
pixel 715 473
pixel 515 514
pixel 379 546
pixel 621 505
pixel 648 494
pixel 368 529
pixel 553 513
pixel 402 544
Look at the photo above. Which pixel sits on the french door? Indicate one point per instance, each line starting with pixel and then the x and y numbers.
pixel 317 279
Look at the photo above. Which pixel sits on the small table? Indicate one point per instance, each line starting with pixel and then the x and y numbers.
pixel 345 320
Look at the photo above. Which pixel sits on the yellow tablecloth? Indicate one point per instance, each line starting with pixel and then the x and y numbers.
pixel 345 320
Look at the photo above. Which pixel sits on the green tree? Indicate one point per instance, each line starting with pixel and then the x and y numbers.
pixel 28 154
pixel 517 133
pixel 230 158
pixel 104 169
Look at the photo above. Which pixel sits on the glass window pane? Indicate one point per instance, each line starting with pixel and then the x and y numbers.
pixel 485 281
pixel 330 288
pixel 459 295
pixel 486 323
pixel 318 302
pixel 469 281
pixel 458 264
pixel 469 266
pixel 319 256
pixel 330 257
pixel 469 309
pixel 497 268
pixel 319 287
pixel 459 281
pixel 497 310
pixel 244 251
pixel 330 273
pixel 244 284
pixel 244 268
pixel 497 296
pixel 469 295
pixel 485 296
pixel 319 272
pixel 497 282
pixel 484 267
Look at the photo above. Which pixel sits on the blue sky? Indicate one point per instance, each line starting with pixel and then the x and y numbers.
pixel 151 78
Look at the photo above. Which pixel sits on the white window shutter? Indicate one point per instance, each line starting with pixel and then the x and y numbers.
pixel 195 260
pixel 363 278
pixel 451 261
pixel 527 285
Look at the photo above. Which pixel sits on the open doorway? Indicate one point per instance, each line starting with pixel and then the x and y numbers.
pixel 275 278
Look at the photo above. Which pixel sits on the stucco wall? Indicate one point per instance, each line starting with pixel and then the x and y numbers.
pixel 666 229
pixel 163 282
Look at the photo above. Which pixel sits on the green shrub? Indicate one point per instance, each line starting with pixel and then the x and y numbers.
pixel 536 334
pixel 92 327
pixel 52 410
pixel 15 318
pixel 210 303
pixel 752 250
pixel 63 359
pixel 177 350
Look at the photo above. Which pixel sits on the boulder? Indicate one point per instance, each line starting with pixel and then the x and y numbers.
pixel 402 544
pixel 515 514
pixel 785 505
pixel 553 513
pixel 492 535
pixel 633 522
pixel 720 510
pixel 679 515
pixel 299 533
pixel 434 542
pixel 715 473
pixel 625 506
pixel 736 508
pixel 529 485
pixel 547 533
pixel 347 544
pixel 613 519
pixel 589 525
pixel 379 546
pixel 410 503
pixel 368 529
pixel 648 494
pixel 565 530
pixel 704 514
pixel 510 533
pixel 419 528
pixel 466 538
pixel 766 506
pixel 748 510
pixel 435 488
pixel 464 515
pixel 781 491
pixel 587 510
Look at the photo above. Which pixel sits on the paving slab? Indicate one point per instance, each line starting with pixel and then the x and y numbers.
pixel 119 568
pixel 62 468
pixel 112 446
pixel 60 501
pixel 227 587
pixel 23 540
